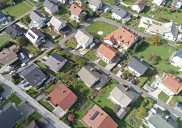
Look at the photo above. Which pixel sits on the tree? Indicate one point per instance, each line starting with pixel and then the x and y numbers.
pixel 82 90
pixel 152 57
pixel 75 86
pixel 81 63
pixel 26 18
pixel 21 40
pixel 116 108
pixel 142 112
pixel 150 100
pixel 57 47
pixel 82 17
pixel 135 47
pixel 76 58
pixel 155 40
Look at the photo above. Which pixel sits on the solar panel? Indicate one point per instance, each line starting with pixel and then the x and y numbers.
pixel 94 115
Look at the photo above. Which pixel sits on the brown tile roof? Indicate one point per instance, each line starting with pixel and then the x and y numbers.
pixel 76 9
pixel 63 96
pixel 140 3
pixel 38 32
pixel 8 54
pixel 102 120
pixel 172 83
pixel 124 35
pixel 107 51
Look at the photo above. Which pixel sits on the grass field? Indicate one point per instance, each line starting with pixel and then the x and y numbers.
pixel 4 37
pixel 102 63
pixel 179 123
pixel 90 56
pixel 163 97
pixel 17 10
pixel 175 99
pixel 47 105
pixel 101 26
pixel 14 99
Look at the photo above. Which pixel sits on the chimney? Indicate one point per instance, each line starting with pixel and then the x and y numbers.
pixel 91 69
pixel 167 117
pixel 118 9
pixel 57 63
pixel 130 35
pixel 126 89
pixel 101 114
pixel 122 30
pixel 174 77
pixel 141 60
pixel 63 90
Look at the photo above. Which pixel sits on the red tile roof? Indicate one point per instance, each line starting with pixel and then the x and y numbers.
pixel 76 9
pixel 71 117
pixel 102 120
pixel 124 35
pixel 107 51
pixel 172 83
pixel 62 96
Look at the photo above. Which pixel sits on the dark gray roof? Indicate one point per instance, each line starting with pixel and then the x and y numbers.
pixel 174 30
pixel 119 11
pixel 14 30
pixel 55 62
pixel 33 75
pixel 9 116
pixel 49 4
pixel 138 65
pixel 159 120
pixel 96 3
pixel 88 74
pixel 1 14
pixel 25 109
pixel 178 53
pixel 35 15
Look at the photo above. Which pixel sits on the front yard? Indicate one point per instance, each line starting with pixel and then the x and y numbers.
pixel 32 92
pixel 46 104
pixel 71 43
pixel 163 97
pixel 102 63
pixel 4 38
pixel 13 98
pixel 17 10
pixel 175 99
pixel 90 55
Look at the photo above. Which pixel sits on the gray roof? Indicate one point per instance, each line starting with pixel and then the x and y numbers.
pixel 88 75
pixel 49 4
pixel 158 120
pixel 122 96
pixel 121 113
pixel 35 16
pixel 138 65
pixel 119 11
pixel 178 53
pixel 33 75
pixel 25 109
pixel 174 30
pixel 9 116
pixel 55 62
pixel 96 3
pixel 56 22
pixel 1 14
pixel 83 36
pixel 14 30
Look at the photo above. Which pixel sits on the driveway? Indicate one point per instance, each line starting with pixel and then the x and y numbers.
pixel 7 91
pixel 103 80
pixel 110 66
pixel 58 112
pixel 22 86
pixel 4 68
pixel 48 44
pixel 155 93
pixel 23 60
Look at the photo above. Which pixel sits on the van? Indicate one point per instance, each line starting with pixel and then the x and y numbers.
pixel 23 65
pixel 22 55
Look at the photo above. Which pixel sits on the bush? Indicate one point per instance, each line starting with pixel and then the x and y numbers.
pixel 81 63
pixel 21 40
pixel 82 90
pixel 82 17
pixel 26 19
pixel 49 52
pixel 150 100
pixel 75 24
pixel 142 112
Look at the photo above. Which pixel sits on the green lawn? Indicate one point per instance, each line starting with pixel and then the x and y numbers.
pixel 4 38
pixel 129 2
pixel 71 43
pixel 101 26
pixel 163 97
pixel 34 116
pixel 37 3
pixel 79 124
pixel 102 63
pixel 32 92
pixel 90 56
pixel 1 89
pixel 112 2
pixel 17 10
pixel 50 89
pixel 14 99
pixel 175 99
pixel 47 105
pixel 162 53
pixel 179 123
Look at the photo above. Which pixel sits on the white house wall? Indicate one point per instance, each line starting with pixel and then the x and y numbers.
pixel 165 89
pixel 108 42
pixel 177 61
pixel 136 73
pixel 115 16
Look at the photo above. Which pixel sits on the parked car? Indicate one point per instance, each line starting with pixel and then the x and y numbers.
pixel 131 81
pixel 23 65
pixel 23 81
pixel 128 79
pixel 179 104
pixel 26 85
pixel 122 70
pixel 43 59
pixel 12 72
pixel 1 99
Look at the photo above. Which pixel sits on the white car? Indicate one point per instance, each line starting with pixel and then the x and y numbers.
pixel 23 81
pixel 12 72
pixel 23 65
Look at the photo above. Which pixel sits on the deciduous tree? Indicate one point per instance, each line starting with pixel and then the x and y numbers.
pixel 155 40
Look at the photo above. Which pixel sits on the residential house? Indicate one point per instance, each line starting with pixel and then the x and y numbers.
pixel 63 97
pixel 177 4
pixel 9 57
pixel 41 123
pixel 97 118
pixel 169 84
pixel 138 6
pixel 51 7
pixel 55 62
pixel 176 58
pixel 59 25
pixel 9 116
pixel 76 11
pixel 15 30
pixel 167 30
pixel 106 52
pixel 83 38
pixel 33 75
pixel 159 119
pixel 137 66
pixel 95 4
pixel 36 37
pixel 37 19
pixel 123 36
pixel 159 2
pixel 118 13
pixel 122 97
pixel 62 1
pixel 88 75
pixel 2 17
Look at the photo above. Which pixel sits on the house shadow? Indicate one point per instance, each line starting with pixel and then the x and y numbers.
pixel 146 9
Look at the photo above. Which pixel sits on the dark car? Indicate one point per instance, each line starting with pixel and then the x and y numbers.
pixel 128 79
pixel 26 85
pixel 179 104
pixel 1 99
pixel 122 70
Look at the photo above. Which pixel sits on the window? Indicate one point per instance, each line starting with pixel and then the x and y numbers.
pixel 31 35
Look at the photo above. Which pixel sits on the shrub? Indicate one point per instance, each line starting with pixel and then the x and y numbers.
pixel 26 19
pixel 142 112
pixel 82 90
pixel 81 63
pixel 49 52
pixel 150 100
pixel 75 24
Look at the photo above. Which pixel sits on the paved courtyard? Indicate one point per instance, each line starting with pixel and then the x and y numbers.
pixel 58 111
